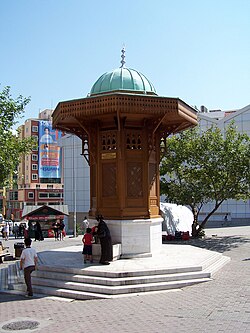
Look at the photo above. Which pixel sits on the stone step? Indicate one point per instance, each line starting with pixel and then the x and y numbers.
pixel 213 258
pixel 119 274
pixel 71 292
pixel 3 278
pixel 217 265
pixel 114 290
pixel 106 281
pixel 15 276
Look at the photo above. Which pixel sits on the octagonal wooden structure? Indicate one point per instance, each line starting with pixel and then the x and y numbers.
pixel 123 135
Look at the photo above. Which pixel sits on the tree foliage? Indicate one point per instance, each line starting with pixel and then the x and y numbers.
pixel 11 146
pixel 201 167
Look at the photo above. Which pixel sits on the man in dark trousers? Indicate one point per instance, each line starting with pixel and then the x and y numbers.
pixel 103 234
pixel 28 263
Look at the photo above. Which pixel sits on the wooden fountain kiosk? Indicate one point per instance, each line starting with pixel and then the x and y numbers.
pixel 123 125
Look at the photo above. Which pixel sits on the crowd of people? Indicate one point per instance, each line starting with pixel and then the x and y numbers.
pixel 33 230
pixel 59 230
pixel 97 234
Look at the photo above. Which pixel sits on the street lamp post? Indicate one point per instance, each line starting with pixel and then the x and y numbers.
pixel 74 185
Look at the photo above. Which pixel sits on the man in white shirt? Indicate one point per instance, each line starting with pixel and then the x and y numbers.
pixel 85 224
pixel 28 263
pixel 6 231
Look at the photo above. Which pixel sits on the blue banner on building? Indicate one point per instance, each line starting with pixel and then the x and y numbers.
pixel 49 151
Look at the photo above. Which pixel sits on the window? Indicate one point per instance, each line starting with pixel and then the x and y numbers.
pixel 50 180
pixel 30 195
pixel 34 157
pixel 134 140
pixel 43 195
pixel 13 195
pixel 54 195
pixel 34 129
pixel 34 176
pixel 34 167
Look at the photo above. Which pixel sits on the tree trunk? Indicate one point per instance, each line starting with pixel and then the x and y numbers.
pixel 195 222
pixel 203 223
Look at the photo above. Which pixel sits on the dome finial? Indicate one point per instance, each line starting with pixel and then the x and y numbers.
pixel 123 57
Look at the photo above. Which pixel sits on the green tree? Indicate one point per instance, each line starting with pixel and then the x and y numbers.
pixel 11 146
pixel 201 167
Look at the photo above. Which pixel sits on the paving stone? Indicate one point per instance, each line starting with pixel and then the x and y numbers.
pixel 222 305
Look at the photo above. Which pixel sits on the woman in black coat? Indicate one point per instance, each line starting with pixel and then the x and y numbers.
pixel 103 234
pixel 38 231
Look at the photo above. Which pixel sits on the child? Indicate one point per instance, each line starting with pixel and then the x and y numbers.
pixel 28 263
pixel 87 248
pixel 94 233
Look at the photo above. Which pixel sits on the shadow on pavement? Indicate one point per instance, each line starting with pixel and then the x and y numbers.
pixel 217 243
pixel 8 297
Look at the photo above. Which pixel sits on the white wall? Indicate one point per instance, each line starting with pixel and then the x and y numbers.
pixel 75 167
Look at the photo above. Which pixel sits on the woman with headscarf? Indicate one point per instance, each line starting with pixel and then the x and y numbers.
pixel 38 232
pixel 103 234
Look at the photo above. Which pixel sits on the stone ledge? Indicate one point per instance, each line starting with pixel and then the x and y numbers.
pixel 96 251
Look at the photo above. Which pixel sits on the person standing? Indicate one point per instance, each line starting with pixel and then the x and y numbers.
pixel 38 231
pixel 61 230
pixel 103 234
pixel 94 233
pixel 56 229
pixel 6 231
pixel 85 224
pixel 16 230
pixel 87 248
pixel 30 229
pixel 225 220
pixel 21 230
pixel 28 262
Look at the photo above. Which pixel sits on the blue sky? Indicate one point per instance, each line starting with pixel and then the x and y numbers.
pixel 54 50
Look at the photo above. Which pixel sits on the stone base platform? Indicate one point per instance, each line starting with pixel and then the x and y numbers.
pixel 62 272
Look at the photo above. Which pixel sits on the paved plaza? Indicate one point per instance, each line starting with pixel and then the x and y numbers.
pixel 221 305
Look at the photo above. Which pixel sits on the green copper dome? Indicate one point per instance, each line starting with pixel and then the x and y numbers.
pixel 123 79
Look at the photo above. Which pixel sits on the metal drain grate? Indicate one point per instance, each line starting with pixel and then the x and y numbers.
pixel 21 325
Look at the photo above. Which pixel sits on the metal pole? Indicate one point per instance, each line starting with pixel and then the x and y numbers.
pixel 74 185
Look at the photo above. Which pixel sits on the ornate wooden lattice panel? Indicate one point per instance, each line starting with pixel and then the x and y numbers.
pixel 134 140
pixel 108 141
pixel 109 180
pixel 134 180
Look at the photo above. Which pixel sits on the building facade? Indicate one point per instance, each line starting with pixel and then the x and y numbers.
pixel 76 176
pixel 238 211
pixel 39 175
